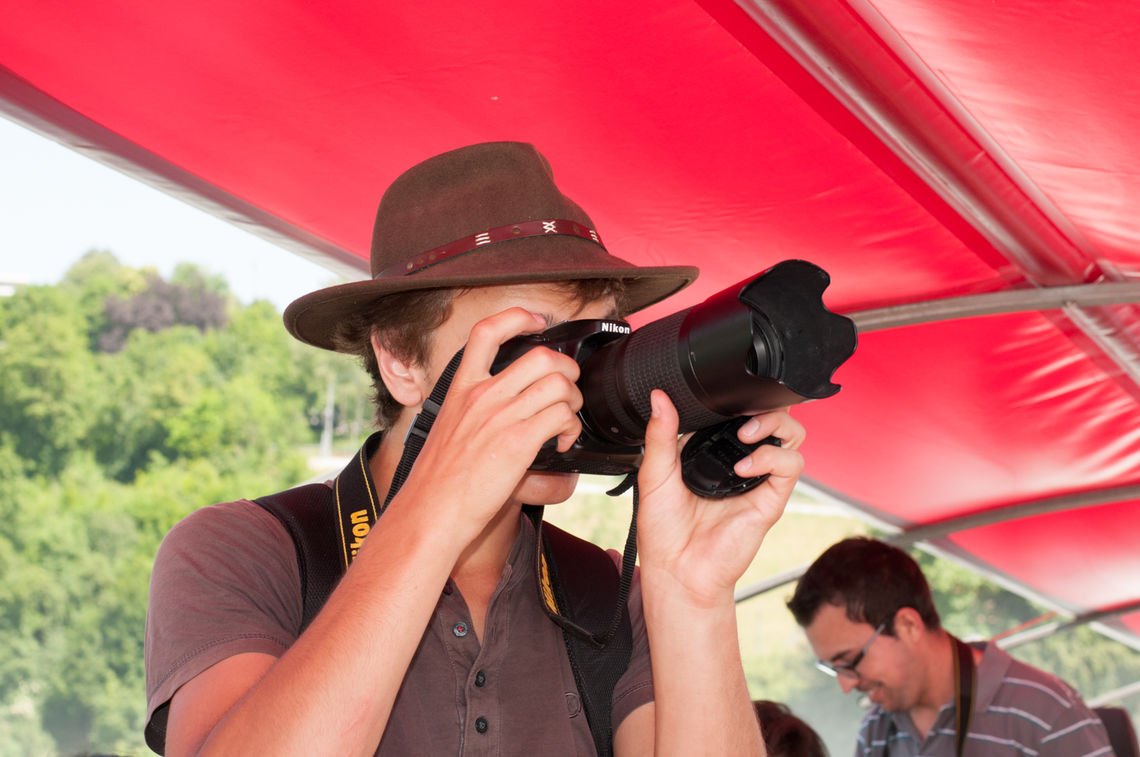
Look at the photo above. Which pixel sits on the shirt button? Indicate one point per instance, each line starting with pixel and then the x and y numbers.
pixel 459 629
pixel 481 725
pixel 480 679
pixel 447 587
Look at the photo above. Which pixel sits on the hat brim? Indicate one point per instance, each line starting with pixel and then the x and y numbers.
pixel 313 317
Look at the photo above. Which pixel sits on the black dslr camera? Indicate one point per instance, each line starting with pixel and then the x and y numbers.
pixel 764 343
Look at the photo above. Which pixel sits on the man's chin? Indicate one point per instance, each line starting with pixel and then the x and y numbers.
pixel 879 696
pixel 546 488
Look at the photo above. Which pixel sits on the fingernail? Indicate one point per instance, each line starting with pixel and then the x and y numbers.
pixel 751 427
pixel 743 466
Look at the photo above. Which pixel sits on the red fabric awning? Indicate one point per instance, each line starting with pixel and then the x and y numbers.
pixel 918 150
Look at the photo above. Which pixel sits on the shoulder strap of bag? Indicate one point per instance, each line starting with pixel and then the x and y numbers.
pixel 328 526
pixel 299 510
pixel 579 587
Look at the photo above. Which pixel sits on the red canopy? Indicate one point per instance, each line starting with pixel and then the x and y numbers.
pixel 968 172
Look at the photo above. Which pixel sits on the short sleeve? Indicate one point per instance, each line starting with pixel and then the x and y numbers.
pixel 225 582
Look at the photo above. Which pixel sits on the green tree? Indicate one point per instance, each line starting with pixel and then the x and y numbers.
pixel 92 279
pixel 66 596
pixel 154 378
pixel 100 454
pixel 48 379
pixel 161 305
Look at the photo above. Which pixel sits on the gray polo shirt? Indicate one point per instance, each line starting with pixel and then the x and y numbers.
pixel 225 582
pixel 1018 710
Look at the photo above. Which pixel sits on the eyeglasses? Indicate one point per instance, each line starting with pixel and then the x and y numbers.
pixel 847 669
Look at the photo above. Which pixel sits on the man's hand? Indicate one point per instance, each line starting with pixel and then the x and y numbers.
pixel 704 546
pixel 490 428
pixel 693 551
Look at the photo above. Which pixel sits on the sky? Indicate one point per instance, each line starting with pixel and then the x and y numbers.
pixel 56 204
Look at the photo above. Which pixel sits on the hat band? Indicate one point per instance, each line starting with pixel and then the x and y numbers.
pixel 491 236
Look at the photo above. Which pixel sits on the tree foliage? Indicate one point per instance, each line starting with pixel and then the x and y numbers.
pixel 188 299
pixel 45 375
pixel 202 400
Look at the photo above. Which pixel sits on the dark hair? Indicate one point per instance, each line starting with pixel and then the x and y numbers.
pixel 785 735
pixel 406 323
pixel 870 579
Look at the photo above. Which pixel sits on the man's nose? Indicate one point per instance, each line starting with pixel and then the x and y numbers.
pixel 846 684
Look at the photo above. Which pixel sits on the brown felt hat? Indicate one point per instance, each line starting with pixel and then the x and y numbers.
pixel 484 214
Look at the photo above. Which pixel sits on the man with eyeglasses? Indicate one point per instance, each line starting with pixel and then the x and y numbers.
pixel 870 620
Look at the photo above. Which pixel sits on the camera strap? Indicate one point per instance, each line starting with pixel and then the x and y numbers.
pixel 965 686
pixel 421 426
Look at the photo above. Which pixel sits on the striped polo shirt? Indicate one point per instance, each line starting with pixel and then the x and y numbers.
pixel 1018 711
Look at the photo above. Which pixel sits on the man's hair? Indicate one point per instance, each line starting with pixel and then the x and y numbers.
pixel 870 579
pixel 406 322
pixel 785 735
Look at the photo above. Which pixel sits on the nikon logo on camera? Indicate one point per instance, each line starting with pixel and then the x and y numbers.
pixel 614 327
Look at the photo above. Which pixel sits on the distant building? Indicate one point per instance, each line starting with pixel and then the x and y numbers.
pixel 9 282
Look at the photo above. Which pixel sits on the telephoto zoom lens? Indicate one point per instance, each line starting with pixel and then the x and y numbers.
pixel 764 343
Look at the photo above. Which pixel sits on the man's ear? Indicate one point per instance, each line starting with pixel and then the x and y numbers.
pixel 405 380
pixel 908 624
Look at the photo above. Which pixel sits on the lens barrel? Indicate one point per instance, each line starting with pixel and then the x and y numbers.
pixel 764 343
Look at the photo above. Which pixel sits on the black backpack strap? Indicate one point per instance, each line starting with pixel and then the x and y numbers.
pixel 328 526
pixel 306 513
pixel 580 588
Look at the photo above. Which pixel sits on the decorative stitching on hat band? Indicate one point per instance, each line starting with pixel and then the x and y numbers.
pixel 491 236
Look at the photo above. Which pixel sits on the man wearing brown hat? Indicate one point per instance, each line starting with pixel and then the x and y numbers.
pixel 435 640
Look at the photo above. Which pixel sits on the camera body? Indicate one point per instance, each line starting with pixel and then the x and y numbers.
pixel 592 452
pixel 764 343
